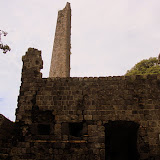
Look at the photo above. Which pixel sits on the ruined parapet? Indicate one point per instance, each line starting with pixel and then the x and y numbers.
pixel 60 62
pixel 32 63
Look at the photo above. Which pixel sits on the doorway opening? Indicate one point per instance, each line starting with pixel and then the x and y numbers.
pixel 121 140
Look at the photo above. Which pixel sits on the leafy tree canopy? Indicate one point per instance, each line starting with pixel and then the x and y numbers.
pixel 3 47
pixel 144 67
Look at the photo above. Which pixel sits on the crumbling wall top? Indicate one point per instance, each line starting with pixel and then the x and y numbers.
pixel 32 64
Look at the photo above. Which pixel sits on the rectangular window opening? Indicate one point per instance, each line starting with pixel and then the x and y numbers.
pixel 43 129
pixel 75 129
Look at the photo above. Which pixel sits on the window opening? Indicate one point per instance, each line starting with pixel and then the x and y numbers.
pixel 75 129
pixel 43 129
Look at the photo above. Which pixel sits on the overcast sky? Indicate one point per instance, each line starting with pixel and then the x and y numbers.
pixel 108 38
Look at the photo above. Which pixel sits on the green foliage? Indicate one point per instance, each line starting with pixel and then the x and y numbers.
pixel 3 47
pixel 145 67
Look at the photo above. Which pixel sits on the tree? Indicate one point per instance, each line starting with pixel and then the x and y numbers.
pixel 5 47
pixel 144 67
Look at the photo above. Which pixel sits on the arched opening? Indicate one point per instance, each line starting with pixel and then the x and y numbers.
pixel 121 140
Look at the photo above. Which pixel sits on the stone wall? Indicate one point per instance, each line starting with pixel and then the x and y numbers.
pixel 60 62
pixel 7 134
pixel 6 129
pixel 66 118
pixel 81 118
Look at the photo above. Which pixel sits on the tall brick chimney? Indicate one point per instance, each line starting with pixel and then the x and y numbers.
pixel 60 62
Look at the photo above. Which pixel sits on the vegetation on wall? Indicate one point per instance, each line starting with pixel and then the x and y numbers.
pixel 144 67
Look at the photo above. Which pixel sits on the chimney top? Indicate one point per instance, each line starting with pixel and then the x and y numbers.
pixel 67 5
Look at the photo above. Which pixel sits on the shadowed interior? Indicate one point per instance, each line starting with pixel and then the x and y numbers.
pixel 121 140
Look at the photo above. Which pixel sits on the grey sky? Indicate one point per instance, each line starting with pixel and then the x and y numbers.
pixel 108 38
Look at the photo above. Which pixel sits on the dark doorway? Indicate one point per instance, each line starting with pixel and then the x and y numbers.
pixel 121 140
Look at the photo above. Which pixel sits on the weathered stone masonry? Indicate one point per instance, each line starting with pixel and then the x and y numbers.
pixel 60 62
pixel 50 107
pixel 81 118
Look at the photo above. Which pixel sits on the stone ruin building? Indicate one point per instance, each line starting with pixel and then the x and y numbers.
pixel 71 118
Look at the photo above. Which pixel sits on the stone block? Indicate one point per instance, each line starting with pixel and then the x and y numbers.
pixel 88 117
